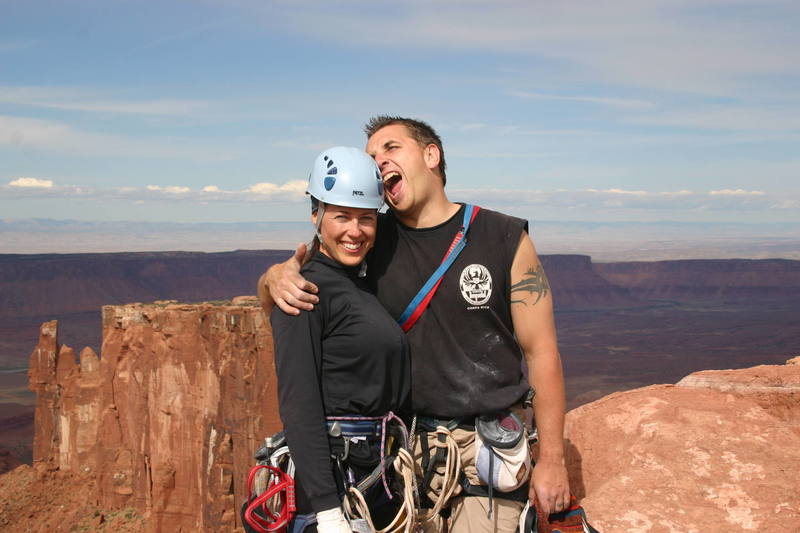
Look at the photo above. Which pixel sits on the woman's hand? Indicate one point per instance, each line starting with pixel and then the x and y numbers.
pixel 332 521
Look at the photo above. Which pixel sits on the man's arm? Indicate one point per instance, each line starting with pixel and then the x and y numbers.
pixel 534 326
pixel 282 285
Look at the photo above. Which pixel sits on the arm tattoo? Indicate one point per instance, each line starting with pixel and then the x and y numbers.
pixel 533 282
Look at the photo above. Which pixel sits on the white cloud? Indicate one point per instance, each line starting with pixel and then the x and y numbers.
pixel 32 182
pixel 294 187
pixel 172 189
pixel 620 191
pixel 288 192
pixel 682 192
pixel 736 192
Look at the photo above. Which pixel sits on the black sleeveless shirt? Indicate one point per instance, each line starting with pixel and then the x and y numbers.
pixel 464 357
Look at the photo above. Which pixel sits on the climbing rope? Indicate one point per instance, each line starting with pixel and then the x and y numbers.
pixel 405 519
pixel 450 480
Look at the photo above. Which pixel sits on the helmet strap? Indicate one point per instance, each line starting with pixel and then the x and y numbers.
pixel 320 214
pixel 312 247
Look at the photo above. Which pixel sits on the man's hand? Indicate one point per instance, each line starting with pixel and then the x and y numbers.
pixel 282 285
pixel 549 483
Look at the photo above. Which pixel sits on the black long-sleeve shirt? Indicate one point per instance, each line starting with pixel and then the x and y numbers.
pixel 346 357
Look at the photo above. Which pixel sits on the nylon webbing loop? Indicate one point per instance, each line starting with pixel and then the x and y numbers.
pixel 420 302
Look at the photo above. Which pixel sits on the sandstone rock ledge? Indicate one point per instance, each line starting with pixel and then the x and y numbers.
pixel 166 421
pixel 719 451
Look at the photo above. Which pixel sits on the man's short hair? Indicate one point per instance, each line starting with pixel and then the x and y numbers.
pixel 420 131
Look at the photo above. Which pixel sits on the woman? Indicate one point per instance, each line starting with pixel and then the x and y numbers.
pixel 345 360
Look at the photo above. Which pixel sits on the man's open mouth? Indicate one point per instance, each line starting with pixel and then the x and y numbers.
pixel 391 182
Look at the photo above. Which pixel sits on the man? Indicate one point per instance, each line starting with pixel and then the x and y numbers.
pixel 493 307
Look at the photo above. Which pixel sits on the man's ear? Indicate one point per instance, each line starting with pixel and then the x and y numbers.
pixel 432 156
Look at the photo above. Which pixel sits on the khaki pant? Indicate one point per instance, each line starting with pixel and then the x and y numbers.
pixel 469 514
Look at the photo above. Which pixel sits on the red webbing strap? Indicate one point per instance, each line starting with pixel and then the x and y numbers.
pixel 423 304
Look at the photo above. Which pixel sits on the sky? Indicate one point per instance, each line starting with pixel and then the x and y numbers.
pixel 200 111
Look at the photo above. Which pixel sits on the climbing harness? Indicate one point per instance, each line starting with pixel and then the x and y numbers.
pixel 502 458
pixel 271 501
pixel 355 506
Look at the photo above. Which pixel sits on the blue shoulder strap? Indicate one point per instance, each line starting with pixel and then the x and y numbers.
pixel 420 302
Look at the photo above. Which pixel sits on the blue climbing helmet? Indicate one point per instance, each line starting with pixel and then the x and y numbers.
pixel 346 176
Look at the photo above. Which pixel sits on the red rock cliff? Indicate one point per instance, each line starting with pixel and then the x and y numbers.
pixel 718 451
pixel 165 424
pixel 166 421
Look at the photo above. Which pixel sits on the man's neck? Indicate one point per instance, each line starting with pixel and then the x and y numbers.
pixel 432 213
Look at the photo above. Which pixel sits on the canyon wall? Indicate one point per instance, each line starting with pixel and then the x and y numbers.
pixel 55 284
pixel 706 279
pixel 167 420
pixel 62 284
pixel 576 285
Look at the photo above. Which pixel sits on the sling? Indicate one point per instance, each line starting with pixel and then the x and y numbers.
pixel 420 302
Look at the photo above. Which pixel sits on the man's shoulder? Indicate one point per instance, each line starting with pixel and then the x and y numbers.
pixel 498 219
